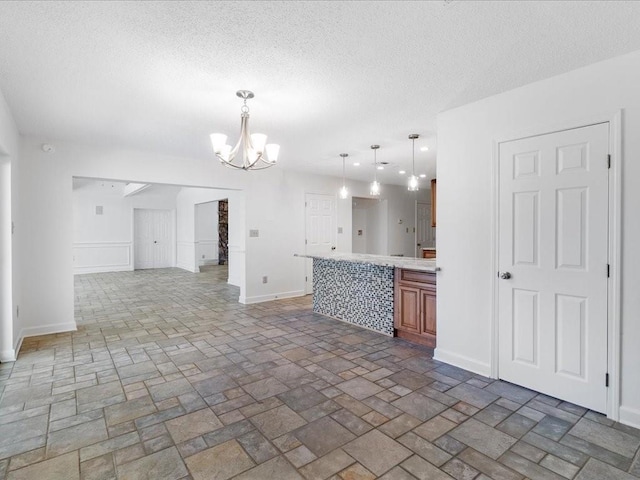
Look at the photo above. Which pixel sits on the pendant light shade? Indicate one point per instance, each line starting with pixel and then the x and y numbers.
pixel 412 185
pixel 344 193
pixel 374 189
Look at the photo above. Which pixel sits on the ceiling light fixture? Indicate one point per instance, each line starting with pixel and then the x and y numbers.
pixel 374 189
pixel 424 149
pixel 254 146
pixel 344 193
pixel 402 172
pixel 412 185
pixel 356 164
pixel 423 175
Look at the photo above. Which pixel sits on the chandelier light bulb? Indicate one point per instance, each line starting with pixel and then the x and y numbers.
pixel 344 193
pixel 412 185
pixel 374 189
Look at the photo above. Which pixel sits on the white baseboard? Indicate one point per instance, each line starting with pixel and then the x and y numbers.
pixel 462 361
pixel 47 330
pixel 188 268
pixel 268 298
pixel 8 355
pixel 233 281
pixel 105 269
pixel 630 416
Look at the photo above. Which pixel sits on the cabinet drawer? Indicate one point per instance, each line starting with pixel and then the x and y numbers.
pixel 415 276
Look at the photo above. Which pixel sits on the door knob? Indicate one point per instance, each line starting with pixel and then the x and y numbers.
pixel 333 248
pixel 155 241
pixel 505 276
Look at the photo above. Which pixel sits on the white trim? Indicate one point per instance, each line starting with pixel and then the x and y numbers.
pixel 630 416
pixel 615 260
pixel 46 330
pixel 188 268
pixel 268 298
pixel 614 119
pixel 9 355
pixel 124 266
pixel 462 361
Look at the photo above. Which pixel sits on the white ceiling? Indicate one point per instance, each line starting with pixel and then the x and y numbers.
pixel 329 77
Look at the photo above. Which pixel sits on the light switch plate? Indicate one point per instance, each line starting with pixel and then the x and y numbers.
pixel 254 233
pixel 339 229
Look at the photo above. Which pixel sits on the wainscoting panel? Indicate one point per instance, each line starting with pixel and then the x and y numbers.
pixel 96 257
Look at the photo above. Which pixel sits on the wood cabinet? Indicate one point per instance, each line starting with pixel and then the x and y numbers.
pixel 428 253
pixel 415 306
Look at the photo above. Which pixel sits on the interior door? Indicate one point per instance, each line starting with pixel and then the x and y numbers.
pixel 553 261
pixel 320 228
pixel 153 238
pixel 424 232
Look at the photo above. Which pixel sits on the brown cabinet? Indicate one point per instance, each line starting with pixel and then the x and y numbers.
pixel 428 254
pixel 415 306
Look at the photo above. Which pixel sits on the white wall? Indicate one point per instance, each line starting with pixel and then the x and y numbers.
pixel 466 137
pixel 104 243
pixel 206 233
pixel 9 321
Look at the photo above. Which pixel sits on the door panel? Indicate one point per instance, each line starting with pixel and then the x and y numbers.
pixel 153 238
pixel 320 222
pixel 409 314
pixel 428 311
pixel 553 239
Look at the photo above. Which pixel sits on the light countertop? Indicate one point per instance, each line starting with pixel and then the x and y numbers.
pixel 407 263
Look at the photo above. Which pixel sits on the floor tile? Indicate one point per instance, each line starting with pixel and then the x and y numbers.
pixel 193 425
pixel 220 462
pixel 275 469
pixel 377 452
pixel 63 467
pixel 165 464
pixel 278 421
pixel 419 406
pixel 359 388
pixel 476 435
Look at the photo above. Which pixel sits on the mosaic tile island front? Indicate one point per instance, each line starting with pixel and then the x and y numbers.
pixel 358 288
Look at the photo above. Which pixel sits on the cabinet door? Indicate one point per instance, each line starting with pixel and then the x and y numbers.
pixel 408 309
pixel 428 311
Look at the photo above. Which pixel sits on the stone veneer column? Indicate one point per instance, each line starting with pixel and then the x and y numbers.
pixel 7 354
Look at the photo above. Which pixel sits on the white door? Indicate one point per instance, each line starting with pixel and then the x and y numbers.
pixel 424 231
pixel 553 244
pixel 320 227
pixel 153 238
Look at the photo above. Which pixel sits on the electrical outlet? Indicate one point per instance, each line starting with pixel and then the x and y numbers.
pixel 265 279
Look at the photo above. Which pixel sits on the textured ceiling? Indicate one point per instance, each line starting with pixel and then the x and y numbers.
pixel 329 77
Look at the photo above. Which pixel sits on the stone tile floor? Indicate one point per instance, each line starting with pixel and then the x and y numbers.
pixel 168 377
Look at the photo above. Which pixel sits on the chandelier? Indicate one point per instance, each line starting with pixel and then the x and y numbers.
pixel 256 153
pixel 412 186
pixel 374 188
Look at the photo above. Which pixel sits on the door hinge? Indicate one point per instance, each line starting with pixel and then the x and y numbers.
pixel 609 161
pixel 608 270
pixel 305 241
pixel 305 204
pixel 606 380
pixel 306 279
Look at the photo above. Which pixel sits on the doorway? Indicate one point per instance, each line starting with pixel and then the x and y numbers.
pixel 553 258
pixel 369 226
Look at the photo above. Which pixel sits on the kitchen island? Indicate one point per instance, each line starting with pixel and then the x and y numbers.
pixel 360 288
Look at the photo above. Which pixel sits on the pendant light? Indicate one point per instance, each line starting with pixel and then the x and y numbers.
pixel 412 186
pixel 344 193
pixel 374 189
